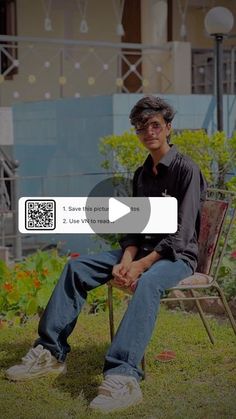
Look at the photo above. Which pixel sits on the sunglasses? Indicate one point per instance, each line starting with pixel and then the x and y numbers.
pixel 142 128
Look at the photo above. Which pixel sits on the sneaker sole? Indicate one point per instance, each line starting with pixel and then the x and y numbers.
pixel 39 374
pixel 134 403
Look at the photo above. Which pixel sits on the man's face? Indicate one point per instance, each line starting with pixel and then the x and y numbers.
pixel 153 134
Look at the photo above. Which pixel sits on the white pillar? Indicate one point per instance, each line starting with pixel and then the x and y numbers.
pixel 173 73
pixel 154 21
pixel 153 32
pixel 180 68
pixel 159 21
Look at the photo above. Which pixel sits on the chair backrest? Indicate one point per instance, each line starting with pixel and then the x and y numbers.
pixel 212 221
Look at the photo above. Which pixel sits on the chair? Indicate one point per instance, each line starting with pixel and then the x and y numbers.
pixel 217 218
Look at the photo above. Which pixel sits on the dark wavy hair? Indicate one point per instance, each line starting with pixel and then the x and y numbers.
pixel 149 106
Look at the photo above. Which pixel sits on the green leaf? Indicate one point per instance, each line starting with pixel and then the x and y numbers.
pixel 23 287
pixel 43 296
pixel 4 271
pixel 31 307
pixel 13 297
pixel 1 302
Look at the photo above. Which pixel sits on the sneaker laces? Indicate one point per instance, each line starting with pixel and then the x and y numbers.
pixel 116 388
pixel 37 355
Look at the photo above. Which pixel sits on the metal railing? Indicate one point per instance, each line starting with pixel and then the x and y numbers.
pixel 8 203
pixel 39 68
pixel 59 68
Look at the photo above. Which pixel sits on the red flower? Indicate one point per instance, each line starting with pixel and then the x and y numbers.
pixel 37 283
pixel 21 275
pixel 45 271
pixel 74 255
pixel 8 287
pixel 233 254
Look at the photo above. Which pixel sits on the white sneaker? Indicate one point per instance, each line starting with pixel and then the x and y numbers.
pixel 117 392
pixel 36 363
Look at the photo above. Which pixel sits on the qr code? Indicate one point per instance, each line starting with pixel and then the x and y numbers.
pixel 40 214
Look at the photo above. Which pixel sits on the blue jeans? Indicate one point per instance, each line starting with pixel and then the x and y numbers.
pixel 85 273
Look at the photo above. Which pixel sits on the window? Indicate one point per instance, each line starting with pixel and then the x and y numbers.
pixel 203 69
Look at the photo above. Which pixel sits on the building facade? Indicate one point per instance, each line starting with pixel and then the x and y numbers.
pixel 73 48
pixel 70 71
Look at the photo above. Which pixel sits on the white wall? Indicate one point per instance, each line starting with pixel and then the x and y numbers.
pixel 196 12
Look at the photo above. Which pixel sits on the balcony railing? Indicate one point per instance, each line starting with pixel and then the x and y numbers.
pixel 57 68
pixel 33 69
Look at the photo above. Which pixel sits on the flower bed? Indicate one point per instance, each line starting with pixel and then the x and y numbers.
pixel 25 288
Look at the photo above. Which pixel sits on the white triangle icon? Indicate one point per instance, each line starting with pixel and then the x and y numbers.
pixel 117 209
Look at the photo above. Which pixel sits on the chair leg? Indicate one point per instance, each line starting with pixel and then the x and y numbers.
pixel 226 306
pixel 203 317
pixel 110 309
pixel 143 365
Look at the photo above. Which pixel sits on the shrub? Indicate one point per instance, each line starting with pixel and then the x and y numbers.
pixel 215 155
pixel 26 287
pixel 97 299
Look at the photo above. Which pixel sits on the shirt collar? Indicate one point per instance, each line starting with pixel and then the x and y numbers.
pixel 166 160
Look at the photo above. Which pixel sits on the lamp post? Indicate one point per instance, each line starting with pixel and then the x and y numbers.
pixel 218 23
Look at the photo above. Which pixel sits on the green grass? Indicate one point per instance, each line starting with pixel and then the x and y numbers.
pixel 199 384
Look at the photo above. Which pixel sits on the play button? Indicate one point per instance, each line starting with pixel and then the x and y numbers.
pixel 113 209
pixel 117 209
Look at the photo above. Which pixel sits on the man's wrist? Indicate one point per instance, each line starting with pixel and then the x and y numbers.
pixel 129 254
pixel 147 261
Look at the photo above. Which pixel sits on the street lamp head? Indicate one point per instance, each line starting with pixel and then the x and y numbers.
pixel 219 21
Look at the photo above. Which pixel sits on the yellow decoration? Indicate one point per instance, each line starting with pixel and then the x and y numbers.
pixel 31 79
pixel 62 80
pixel 1 78
pixel 145 82
pixel 119 82
pixel 91 81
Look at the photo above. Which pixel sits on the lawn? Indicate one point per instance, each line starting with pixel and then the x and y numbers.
pixel 199 383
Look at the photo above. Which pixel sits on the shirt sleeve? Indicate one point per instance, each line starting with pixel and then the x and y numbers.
pixel 189 207
pixel 132 239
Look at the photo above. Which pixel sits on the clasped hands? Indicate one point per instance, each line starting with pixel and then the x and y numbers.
pixel 125 274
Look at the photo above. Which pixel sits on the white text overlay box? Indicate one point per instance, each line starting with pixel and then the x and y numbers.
pixel 83 215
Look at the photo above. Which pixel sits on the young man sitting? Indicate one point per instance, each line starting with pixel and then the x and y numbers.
pixel 157 261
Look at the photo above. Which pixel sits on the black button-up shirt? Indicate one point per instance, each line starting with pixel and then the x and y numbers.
pixel 177 176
